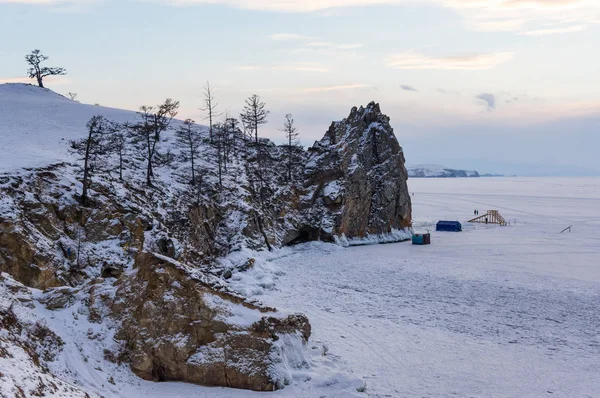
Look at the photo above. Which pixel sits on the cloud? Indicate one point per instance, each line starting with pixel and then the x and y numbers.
pixel 483 15
pixel 288 37
pixel 444 91
pixel 408 88
pixel 324 44
pixel 489 100
pixel 300 67
pixel 416 60
pixel 314 45
pixel 47 2
pixel 516 15
pixel 335 88
pixel 543 32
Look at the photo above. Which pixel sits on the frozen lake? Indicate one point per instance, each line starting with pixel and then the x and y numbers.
pixel 493 311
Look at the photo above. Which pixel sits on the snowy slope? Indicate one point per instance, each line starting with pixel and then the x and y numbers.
pixel 36 125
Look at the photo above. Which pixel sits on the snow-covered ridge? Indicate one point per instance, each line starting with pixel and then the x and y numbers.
pixel 436 171
pixel 36 125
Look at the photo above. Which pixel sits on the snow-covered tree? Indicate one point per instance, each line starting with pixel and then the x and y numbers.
pixel 146 135
pixel 254 114
pixel 39 72
pixel 220 131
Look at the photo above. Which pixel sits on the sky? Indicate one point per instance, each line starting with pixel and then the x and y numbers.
pixel 500 86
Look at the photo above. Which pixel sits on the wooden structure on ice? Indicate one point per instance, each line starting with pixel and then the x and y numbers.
pixel 491 217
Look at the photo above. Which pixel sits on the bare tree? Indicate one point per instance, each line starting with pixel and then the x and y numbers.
pixel 292 142
pixel 73 96
pixel 254 114
pixel 37 71
pixel 220 131
pixel 234 133
pixel 90 148
pixel 227 138
pixel 146 135
pixel 188 138
pixel 117 144
pixel 210 105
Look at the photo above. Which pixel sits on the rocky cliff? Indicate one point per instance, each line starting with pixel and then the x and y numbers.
pixel 139 277
pixel 114 265
pixel 355 178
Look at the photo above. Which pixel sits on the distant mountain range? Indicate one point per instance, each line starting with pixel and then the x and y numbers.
pixel 436 171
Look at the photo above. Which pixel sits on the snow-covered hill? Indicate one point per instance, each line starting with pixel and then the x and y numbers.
pixel 154 280
pixel 435 171
pixel 36 125
pixel 80 323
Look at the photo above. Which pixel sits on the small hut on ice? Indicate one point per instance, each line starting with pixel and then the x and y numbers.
pixel 421 239
pixel 448 226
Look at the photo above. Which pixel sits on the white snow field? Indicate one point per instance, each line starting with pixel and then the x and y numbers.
pixel 36 125
pixel 492 311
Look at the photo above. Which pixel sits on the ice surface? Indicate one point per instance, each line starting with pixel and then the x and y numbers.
pixel 492 311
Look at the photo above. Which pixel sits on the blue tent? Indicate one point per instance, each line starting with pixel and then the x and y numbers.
pixel 450 226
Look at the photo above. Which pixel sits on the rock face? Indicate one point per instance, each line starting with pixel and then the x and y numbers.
pixel 173 320
pixel 42 231
pixel 177 328
pixel 356 178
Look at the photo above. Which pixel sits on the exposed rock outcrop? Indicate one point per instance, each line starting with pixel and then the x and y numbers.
pixel 356 178
pixel 174 322
pixel 177 328
pixel 47 240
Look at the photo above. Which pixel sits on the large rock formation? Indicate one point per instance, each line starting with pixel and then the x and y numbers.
pixel 356 178
pixel 173 321
pixel 175 327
